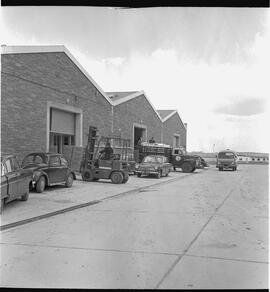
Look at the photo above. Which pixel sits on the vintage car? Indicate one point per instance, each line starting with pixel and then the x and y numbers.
pixel 157 165
pixel 15 181
pixel 48 169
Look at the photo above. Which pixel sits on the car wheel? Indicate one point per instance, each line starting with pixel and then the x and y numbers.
pixel 87 175
pixel 219 168
pixel 174 168
pixel 187 167
pixel 69 180
pixel 25 196
pixel 117 177
pixel 41 183
pixel 139 174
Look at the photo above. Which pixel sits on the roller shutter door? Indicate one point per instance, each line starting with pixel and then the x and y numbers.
pixel 62 122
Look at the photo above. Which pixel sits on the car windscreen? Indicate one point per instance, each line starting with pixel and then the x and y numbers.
pixel 36 159
pixel 228 155
pixel 152 159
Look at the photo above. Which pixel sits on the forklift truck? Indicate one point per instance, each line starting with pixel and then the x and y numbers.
pixel 94 167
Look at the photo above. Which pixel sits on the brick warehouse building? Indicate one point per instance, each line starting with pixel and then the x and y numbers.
pixel 135 117
pixel 173 129
pixel 48 101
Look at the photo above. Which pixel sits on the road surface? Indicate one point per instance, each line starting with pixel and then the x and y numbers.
pixel 208 229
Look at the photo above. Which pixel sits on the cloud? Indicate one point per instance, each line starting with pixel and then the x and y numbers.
pixel 244 107
pixel 117 61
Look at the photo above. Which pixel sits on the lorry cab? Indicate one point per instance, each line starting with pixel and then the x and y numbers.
pixel 226 159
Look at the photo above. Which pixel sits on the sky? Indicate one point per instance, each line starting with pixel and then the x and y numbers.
pixel 211 64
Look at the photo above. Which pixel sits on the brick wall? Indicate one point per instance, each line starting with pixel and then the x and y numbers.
pixel 137 110
pixel 174 126
pixel 28 82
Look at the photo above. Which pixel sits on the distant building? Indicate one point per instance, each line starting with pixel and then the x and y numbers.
pixel 252 157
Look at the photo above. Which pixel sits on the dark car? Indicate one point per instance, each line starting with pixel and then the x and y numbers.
pixel 48 169
pixel 15 181
pixel 153 164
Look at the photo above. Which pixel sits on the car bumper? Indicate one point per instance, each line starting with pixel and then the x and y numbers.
pixel 146 172
pixel 226 166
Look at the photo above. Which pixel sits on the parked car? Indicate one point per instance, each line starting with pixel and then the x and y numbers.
pixel 226 159
pixel 15 181
pixel 153 164
pixel 48 169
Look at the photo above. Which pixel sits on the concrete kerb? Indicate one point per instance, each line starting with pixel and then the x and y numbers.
pixel 79 206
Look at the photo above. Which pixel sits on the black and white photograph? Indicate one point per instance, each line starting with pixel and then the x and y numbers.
pixel 134 147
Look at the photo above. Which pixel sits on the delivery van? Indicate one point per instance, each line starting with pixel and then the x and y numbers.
pixel 226 159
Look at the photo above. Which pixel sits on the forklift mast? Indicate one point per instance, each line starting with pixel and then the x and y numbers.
pixel 94 141
pixel 90 147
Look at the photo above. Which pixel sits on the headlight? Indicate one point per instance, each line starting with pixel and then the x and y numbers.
pixel 136 166
pixel 156 167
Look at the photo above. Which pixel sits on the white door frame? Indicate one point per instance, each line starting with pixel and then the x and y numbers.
pixel 78 122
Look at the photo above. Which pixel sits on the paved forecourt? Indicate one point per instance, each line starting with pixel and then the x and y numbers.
pixel 207 230
pixel 59 197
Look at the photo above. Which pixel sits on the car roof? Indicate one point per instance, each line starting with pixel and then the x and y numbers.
pixel 44 153
pixel 227 150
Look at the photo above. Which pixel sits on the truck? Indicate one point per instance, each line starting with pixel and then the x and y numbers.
pixel 176 156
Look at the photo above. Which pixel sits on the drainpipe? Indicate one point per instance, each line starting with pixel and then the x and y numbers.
pixel 112 123
pixel 161 132
pixel 186 136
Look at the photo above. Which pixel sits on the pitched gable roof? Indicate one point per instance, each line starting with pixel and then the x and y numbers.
pixel 52 49
pixel 165 113
pixel 125 96
pixel 116 95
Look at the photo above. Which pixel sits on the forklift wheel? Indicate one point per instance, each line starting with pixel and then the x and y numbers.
pixel 117 177
pixel 87 175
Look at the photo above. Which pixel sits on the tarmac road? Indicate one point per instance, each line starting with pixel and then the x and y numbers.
pixel 208 229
